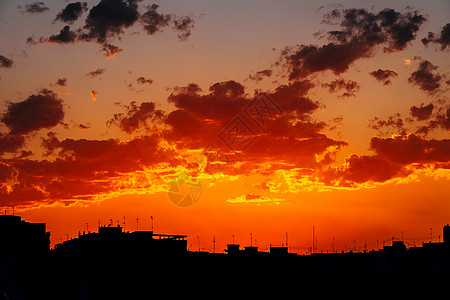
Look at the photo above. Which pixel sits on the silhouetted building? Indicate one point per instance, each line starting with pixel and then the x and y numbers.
pixel 24 249
pixel 251 250
pixel 446 233
pixel 278 250
pixel 18 236
pixel 114 264
pixel 232 249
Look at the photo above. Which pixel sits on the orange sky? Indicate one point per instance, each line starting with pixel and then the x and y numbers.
pixel 332 116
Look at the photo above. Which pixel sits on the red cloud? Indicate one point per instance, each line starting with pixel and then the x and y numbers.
pixel 81 170
pixel 412 149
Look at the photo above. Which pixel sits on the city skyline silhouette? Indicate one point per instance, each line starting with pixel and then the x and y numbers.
pixel 282 148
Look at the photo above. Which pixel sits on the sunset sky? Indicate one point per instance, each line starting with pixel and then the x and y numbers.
pixel 270 116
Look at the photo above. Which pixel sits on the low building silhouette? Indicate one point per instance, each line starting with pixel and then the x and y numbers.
pixel 114 264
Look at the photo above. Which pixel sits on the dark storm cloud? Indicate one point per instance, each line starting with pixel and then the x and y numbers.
pixel 143 80
pixel 33 8
pixel 293 99
pixel 384 75
pixel 395 157
pixel 42 110
pixel 71 12
pixel 360 35
pixel 387 126
pixel 137 117
pixel 109 18
pixel 442 39
pixel 308 59
pixel 422 112
pixel 362 169
pixel 349 87
pixel 183 25
pixel 424 118
pixel 260 75
pixel 61 82
pixel 426 77
pixel 110 50
pixel 5 62
pixel 65 36
pixel 154 21
pixel 105 20
pixel 412 149
pixel 96 73
pixel 439 119
pixel 10 143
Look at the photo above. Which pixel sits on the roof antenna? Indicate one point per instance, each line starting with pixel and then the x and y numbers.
pixel 151 217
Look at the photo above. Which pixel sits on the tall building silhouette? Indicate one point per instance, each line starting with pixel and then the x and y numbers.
pixel 24 250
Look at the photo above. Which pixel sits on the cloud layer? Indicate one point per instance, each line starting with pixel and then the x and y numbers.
pixel 223 129
pixel 361 33
pixel 107 21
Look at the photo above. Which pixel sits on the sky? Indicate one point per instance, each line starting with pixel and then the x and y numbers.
pixel 244 121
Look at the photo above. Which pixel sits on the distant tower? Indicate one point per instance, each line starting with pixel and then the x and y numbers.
pixel 446 231
pixel 313 241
